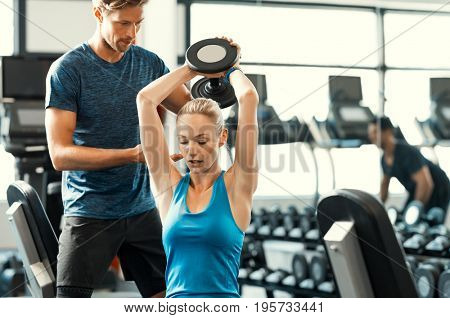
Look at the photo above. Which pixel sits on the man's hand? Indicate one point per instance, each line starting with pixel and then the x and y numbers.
pixel 138 154
pixel 176 157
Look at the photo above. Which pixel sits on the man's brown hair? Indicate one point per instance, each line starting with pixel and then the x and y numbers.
pixel 110 5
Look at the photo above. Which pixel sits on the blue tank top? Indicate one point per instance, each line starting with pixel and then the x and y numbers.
pixel 203 248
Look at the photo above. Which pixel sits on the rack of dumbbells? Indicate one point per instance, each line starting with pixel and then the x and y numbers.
pixel 12 275
pixel 426 242
pixel 308 273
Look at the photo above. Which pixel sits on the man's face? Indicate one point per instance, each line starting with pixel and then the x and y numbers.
pixel 385 136
pixel 120 27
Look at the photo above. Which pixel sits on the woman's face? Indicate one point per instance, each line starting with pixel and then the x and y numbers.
pixel 199 141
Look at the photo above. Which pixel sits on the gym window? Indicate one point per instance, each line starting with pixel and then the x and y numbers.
pixel 7 27
pixel 411 39
pixel 295 56
pixel 301 38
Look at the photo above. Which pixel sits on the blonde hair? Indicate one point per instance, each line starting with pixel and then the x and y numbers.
pixel 111 5
pixel 206 107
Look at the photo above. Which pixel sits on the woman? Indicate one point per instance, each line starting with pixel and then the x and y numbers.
pixel 205 212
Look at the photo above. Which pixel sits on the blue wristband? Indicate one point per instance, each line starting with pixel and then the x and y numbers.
pixel 231 70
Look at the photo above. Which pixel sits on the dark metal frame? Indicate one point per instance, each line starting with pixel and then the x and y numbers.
pixel 381 68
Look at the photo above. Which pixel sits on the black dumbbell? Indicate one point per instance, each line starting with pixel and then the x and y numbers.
pixel 415 213
pixel 393 214
pixel 438 245
pixel 290 219
pixel 276 277
pixel 327 287
pixel 292 223
pixel 319 268
pixel 422 228
pixel 276 221
pixel 400 227
pixel 258 257
pixel 308 218
pixel 300 268
pixel 251 227
pixel 411 262
pixel 427 277
pixel 438 230
pixel 444 283
pixel 415 243
pixel 208 57
pixel 312 235
pixel 259 274
pixel 12 276
pixel 244 272
pixel 259 219
pixel 263 225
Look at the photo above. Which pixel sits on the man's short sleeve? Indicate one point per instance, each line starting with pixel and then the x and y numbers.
pixel 164 69
pixel 61 88
pixel 412 159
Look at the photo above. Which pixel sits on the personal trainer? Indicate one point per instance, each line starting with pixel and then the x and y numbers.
pixel 93 136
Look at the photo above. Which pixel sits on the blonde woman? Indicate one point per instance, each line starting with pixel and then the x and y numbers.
pixel 205 212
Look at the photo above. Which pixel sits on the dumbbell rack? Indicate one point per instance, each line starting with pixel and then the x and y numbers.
pixel 426 254
pixel 309 244
pixel 293 290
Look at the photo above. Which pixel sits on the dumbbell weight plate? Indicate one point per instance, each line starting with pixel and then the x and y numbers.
pixel 444 284
pixel 413 213
pixel 435 216
pixel 392 214
pixel 307 284
pixel 426 276
pixel 318 268
pixel 259 274
pixel 300 267
pixel 439 244
pixel 289 280
pixel 213 56
pixel 312 235
pixel 276 277
pixel 327 287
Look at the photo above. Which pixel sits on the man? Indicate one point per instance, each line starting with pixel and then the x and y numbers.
pixel 423 180
pixel 93 136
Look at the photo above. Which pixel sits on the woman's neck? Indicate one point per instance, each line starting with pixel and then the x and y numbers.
pixel 203 181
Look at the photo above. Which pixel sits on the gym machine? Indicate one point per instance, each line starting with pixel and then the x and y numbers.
pixel 347 121
pixel 436 129
pixel 22 120
pixel 365 255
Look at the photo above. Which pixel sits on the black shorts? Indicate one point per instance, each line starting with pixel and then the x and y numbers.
pixel 87 247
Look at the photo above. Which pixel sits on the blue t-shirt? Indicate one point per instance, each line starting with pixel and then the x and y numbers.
pixel 103 95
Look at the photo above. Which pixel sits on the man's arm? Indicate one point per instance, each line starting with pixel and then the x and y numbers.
pixel 60 126
pixel 384 188
pixel 424 185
